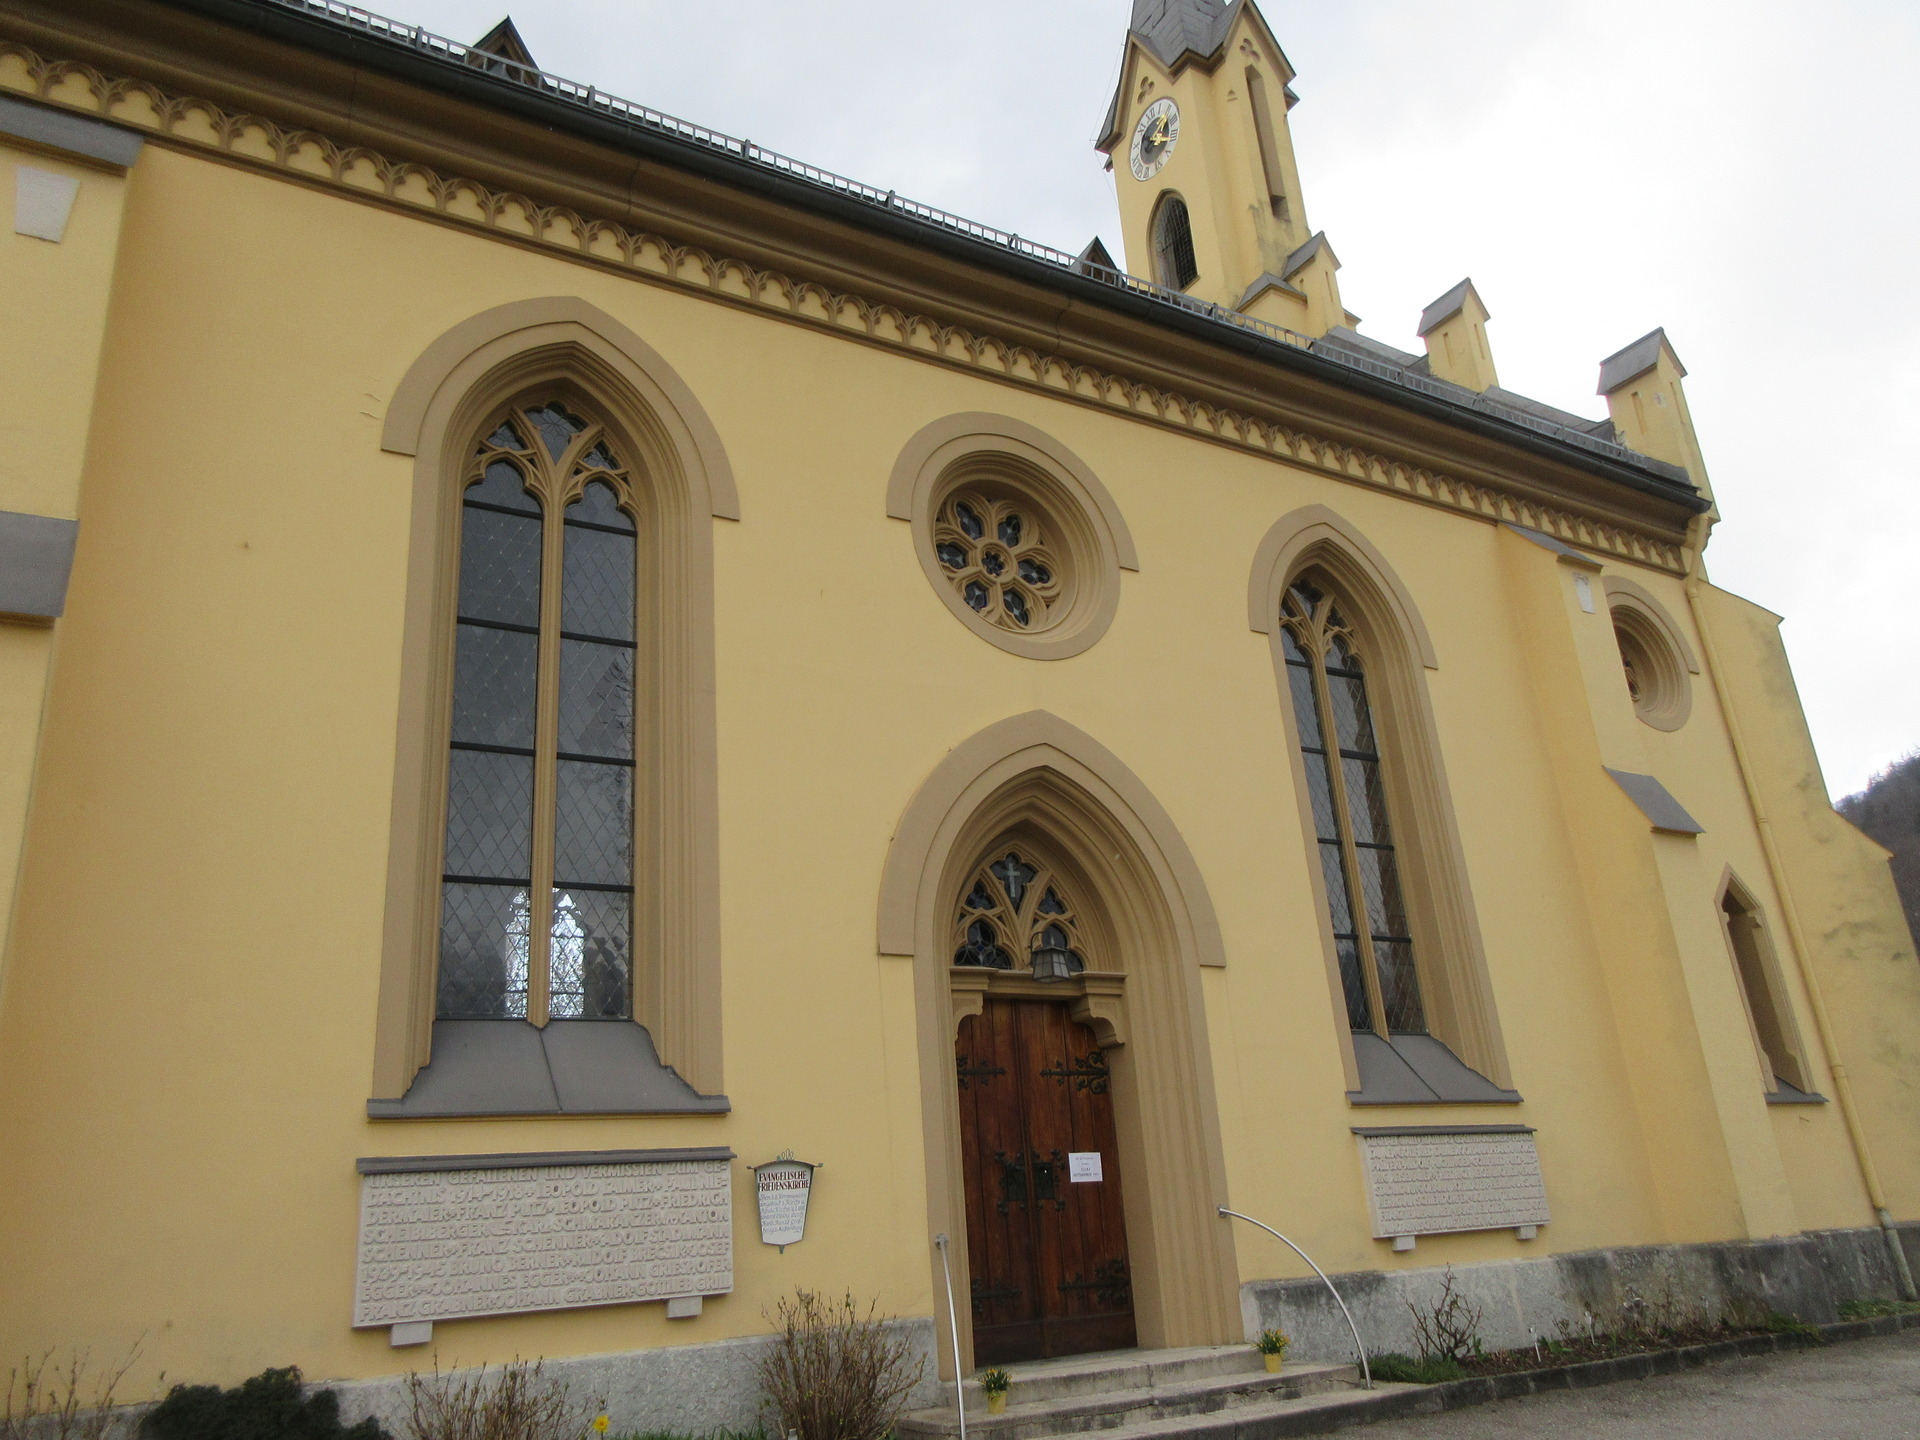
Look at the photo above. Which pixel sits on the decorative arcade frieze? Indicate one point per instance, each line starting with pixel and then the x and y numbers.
pixel 191 123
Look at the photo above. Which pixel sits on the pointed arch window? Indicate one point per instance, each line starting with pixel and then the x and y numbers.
pixel 1340 747
pixel 1763 988
pixel 538 875
pixel 1017 907
pixel 1173 258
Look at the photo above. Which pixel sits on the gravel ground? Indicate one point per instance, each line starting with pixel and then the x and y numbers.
pixel 1863 1390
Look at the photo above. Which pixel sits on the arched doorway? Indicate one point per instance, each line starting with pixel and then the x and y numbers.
pixel 1141 910
pixel 1040 1157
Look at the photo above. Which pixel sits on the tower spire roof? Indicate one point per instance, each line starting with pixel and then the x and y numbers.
pixel 1172 28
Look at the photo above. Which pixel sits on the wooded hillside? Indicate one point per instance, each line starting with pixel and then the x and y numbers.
pixel 1889 810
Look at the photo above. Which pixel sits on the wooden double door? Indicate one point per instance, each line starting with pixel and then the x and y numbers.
pixel 1048 1252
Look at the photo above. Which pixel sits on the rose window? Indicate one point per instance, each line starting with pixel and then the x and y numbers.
pixel 995 555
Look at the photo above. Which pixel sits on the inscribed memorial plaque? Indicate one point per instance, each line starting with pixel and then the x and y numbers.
pixel 444 1238
pixel 1438 1182
pixel 783 1186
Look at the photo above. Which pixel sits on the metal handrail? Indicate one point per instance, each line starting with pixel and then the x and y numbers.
pixel 940 1243
pixel 1366 1370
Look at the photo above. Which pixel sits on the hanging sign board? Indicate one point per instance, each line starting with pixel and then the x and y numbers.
pixel 783 1187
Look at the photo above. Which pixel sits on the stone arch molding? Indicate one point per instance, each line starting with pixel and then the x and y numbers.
pixel 1315 527
pixel 1092 541
pixel 1623 593
pixel 450 368
pixel 683 483
pixel 1039 774
pixel 1455 987
pixel 1036 741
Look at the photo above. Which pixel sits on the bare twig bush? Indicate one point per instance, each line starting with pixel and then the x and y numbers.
pixel 1448 1328
pixel 835 1373
pixel 1653 1317
pixel 48 1400
pixel 516 1402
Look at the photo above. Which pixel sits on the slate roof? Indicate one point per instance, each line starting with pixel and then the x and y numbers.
pixel 360 38
pixel 504 40
pixel 1448 306
pixel 1634 361
pixel 1172 28
pixel 1364 352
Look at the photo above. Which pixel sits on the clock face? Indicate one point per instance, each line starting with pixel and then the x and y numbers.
pixel 1153 138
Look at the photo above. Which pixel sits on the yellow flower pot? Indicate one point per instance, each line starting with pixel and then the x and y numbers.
pixel 997 1403
pixel 1274 1362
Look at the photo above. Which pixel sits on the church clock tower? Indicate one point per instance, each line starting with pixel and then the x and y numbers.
pixel 1198 141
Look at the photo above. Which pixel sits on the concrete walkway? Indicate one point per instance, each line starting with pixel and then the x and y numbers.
pixel 1867 1390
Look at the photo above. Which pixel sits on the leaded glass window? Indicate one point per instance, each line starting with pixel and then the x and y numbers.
pixel 995 554
pixel 537 889
pixel 1340 748
pixel 1016 904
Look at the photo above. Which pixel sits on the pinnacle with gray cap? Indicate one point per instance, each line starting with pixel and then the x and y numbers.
pixel 1635 360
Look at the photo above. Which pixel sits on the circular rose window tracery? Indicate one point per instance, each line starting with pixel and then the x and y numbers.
pixel 995 554
pixel 1018 538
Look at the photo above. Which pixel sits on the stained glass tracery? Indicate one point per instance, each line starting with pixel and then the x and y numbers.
pixel 1015 906
pixel 537 889
pixel 995 554
pixel 1352 833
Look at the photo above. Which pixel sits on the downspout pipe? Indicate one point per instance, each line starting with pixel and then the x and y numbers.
pixel 1790 912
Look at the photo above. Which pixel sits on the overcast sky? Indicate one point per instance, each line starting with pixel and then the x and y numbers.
pixel 1746 174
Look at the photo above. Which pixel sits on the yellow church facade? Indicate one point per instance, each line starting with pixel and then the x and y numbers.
pixel 553 657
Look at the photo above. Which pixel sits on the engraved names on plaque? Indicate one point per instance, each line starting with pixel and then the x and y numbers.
pixel 783 1187
pixel 449 1237
pixel 1435 1182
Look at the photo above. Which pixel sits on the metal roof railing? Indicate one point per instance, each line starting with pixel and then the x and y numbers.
pixel 645 118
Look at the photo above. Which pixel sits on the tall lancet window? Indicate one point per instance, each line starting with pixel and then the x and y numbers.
pixel 1341 751
pixel 537 892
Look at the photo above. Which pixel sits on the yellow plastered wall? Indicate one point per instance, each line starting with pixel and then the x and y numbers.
pixel 56 313
pixel 1216 167
pixel 187 1037
pixel 1860 948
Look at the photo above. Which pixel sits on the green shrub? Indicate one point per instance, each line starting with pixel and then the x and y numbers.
pixel 271 1406
pixel 1779 1324
pixel 1432 1370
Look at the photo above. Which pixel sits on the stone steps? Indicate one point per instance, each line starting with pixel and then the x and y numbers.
pixel 1147 1393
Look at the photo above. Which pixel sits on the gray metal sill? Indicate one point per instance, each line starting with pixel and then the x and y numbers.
pixel 572 1067
pixel 1790 1094
pixel 1418 1070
